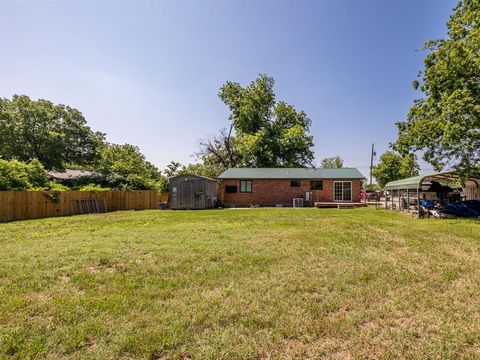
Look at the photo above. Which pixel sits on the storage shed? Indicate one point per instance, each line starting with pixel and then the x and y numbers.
pixel 192 192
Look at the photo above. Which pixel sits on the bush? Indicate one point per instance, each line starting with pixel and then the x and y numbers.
pixel 53 186
pixel 94 187
pixel 13 175
pixel 17 175
pixel 37 176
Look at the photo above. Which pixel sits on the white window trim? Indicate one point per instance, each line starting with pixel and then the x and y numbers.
pixel 240 186
pixel 351 191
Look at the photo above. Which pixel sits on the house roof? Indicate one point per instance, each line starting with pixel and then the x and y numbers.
pixel 70 174
pixel 291 173
pixel 415 182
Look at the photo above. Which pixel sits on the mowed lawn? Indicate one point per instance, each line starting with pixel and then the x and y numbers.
pixel 240 284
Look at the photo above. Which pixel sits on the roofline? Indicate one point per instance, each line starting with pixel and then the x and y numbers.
pixel 229 177
pixel 190 174
pixel 290 178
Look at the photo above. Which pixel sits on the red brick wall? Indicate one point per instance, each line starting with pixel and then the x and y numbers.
pixel 272 192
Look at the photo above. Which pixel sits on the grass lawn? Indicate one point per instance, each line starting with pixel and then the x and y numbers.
pixel 240 284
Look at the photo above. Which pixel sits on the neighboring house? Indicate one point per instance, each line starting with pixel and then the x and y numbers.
pixel 70 176
pixel 279 186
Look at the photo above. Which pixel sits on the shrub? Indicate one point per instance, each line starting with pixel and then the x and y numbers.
pixel 94 187
pixel 13 175
pixel 53 186
pixel 17 175
pixel 37 176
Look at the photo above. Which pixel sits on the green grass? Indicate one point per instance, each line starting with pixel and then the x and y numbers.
pixel 240 284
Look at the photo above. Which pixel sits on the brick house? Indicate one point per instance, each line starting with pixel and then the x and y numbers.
pixel 279 186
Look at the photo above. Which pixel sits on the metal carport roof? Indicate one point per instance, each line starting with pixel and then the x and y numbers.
pixel 415 182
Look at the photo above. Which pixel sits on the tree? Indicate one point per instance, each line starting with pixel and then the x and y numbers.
pixel 445 123
pixel 125 167
pixel 393 166
pixel 372 187
pixel 207 168
pixel 173 169
pixel 266 133
pixel 56 135
pixel 333 162
pixel 219 150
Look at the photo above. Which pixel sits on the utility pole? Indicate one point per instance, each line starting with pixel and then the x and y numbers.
pixel 372 155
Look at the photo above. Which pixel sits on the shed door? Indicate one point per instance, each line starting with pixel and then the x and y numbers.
pixel 173 196
pixel 199 194
pixel 185 195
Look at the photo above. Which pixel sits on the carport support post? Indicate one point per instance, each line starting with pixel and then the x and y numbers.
pixel 386 205
pixel 418 202
pixel 408 201
pixel 399 201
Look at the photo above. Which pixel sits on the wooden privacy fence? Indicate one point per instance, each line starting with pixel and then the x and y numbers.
pixel 19 205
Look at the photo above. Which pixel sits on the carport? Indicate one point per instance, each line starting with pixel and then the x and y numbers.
pixel 402 194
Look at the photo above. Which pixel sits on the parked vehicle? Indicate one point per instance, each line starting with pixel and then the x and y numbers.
pixel 465 209
pixel 369 195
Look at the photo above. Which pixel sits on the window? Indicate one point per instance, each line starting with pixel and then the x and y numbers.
pixel 342 191
pixel 316 185
pixel 231 189
pixel 246 186
pixel 294 183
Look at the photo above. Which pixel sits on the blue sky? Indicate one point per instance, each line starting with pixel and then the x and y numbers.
pixel 148 72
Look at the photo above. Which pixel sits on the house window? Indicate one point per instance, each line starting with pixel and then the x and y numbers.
pixel 342 191
pixel 230 189
pixel 316 185
pixel 294 183
pixel 246 186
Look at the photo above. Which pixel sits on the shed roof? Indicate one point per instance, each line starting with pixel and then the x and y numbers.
pixel 192 175
pixel 416 181
pixel 291 173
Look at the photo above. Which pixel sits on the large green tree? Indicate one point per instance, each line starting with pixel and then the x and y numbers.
pixel 445 123
pixel 333 162
pixel 125 167
pixel 263 132
pixel 56 135
pixel 393 166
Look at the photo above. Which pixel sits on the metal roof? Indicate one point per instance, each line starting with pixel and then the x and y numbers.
pixel 291 173
pixel 416 181
pixel 408 183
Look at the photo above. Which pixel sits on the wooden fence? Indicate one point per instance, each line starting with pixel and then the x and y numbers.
pixel 19 205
